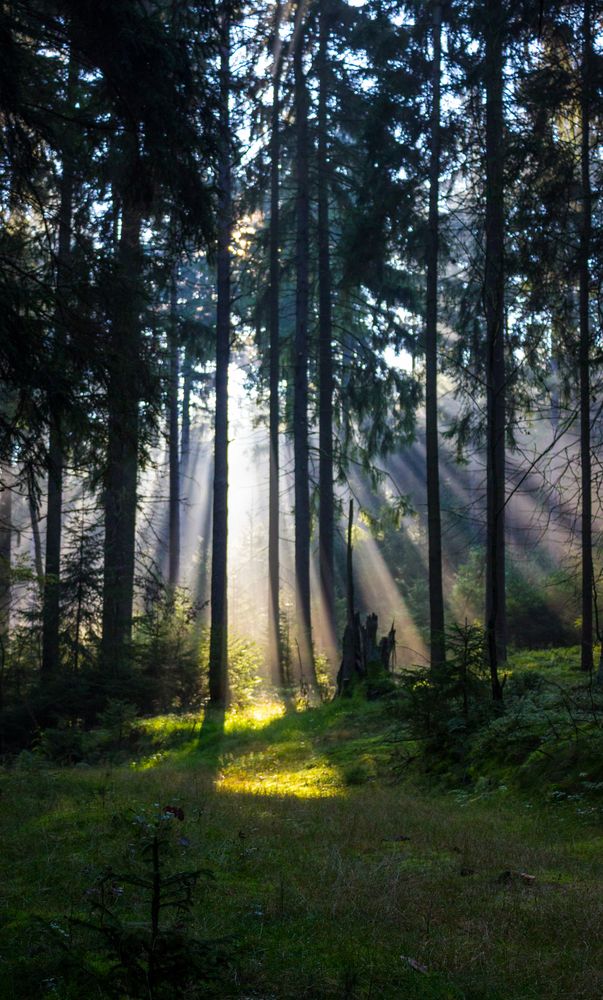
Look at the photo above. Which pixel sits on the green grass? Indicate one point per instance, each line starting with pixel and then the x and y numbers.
pixel 328 874
pixel 558 665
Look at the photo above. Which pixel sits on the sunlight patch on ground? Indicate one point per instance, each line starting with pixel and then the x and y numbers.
pixel 318 780
pixel 254 716
pixel 170 724
pixel 177 737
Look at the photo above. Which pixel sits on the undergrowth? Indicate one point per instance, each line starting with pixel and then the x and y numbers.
pixel 339 857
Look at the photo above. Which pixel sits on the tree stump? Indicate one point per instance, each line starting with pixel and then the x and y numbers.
pixel 362 655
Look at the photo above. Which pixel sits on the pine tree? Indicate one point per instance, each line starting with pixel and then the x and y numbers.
pixel 56 443
pixel 300 385
pixel 274 640
pixel 218 652
pixel 173 415
pixel 123 396
pixel 326 387
pixel 494 304
pixel 436 591
pixel 583 268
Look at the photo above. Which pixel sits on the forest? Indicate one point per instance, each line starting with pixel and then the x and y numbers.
pixel 301 533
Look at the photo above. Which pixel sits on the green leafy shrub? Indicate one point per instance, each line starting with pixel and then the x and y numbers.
pixel 511 738
pixel 64 744
pixel 444 706
pixel 166 647
pixel 118 719
pixel 245 663
pixel 133 937
pixel 146 953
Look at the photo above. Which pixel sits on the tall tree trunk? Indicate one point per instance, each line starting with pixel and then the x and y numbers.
pixel 123 397
pixel 326 510
pixel 79 601
pixel 6 530
pixel 34 516
pixel 54 513
pixel 185 428
pixel 218 657
pixel 434 526
pixel 300 379
pixel 350 565
pixel 274 637
pixel 586 642
pixel 174 463
pixel 495 346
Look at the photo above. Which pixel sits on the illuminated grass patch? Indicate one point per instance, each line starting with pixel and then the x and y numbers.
pixel 253 717
pixel 260 775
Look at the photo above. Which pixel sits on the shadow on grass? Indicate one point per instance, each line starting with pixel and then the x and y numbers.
pixel 216 739
pixel 336 745
pixel 211 738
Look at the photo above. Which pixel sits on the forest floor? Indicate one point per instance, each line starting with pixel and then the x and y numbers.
pixel 332 873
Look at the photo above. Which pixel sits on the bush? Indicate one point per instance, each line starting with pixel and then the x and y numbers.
pixel 135 936
pixel 166 648
pixel 443 707
pixel 66 744
pixel 510 739
pixel 245 662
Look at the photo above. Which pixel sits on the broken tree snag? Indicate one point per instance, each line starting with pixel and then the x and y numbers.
pixel 364 658
pixel 387 650
pixel 349 659
pixel 369 639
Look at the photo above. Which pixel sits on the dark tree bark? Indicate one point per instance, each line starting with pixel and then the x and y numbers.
pixel 54 512
pixel 436 590
pixel 123 396
pixel 6 517
pixel 586 641
pixel 34 516
pixel 79 605
pixel 495 346
pixel 218 658
pixel 350 565
pixel 185 429
pixel 326 510
pixel 174 461
pixel 274 639
pixel 351 655
pixel 300 380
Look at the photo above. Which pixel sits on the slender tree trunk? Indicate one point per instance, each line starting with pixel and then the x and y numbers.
pixel 350 565
pixel 300 379
pixel 6 517
pixel 79 603
pixel 326 511
pixel 123 396
pixel 434 526
pixel 495 346
pixel 586 643
pixel 218 658
pixel 274 638
pixel 174 463
pixel 34 515
pixel 185 429
pixel 54 512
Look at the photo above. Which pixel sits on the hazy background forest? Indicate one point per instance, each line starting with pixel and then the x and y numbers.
pixel 300 310
pixel 360 244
